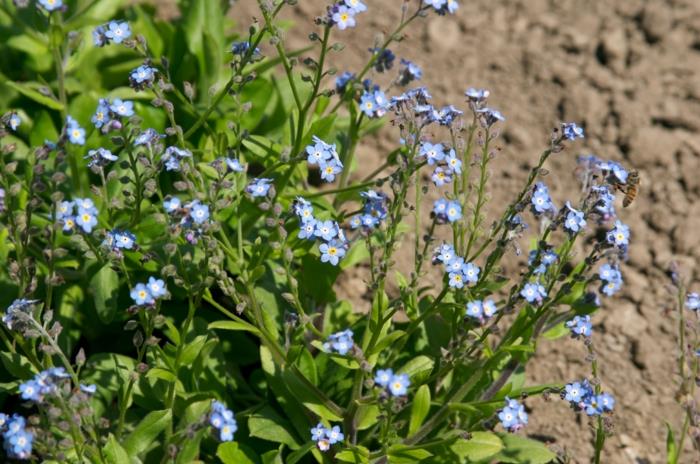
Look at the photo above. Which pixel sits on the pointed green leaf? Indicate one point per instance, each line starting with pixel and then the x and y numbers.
pixel 105 288
pixel 145 434
pixel 419 408
pixel 481 445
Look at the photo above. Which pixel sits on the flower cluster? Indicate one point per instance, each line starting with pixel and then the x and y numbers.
pixel 259 187
pixel 100 157
pixel 73 131
pixel 11 120
pixel 222 419
pixel 108 112
pixel 113 31
pixel 541 201
pixel 692 301
pixel 571 131
pixel 542 261
pixel 458 271
pixel 611 278
pixel 575 220
pixel 383 59
pixel 447 162
pixel 191 216
pixel 481 310
pixel 43 384
pixel 80 212
pixel 325 437
pixel 147 294
pixel 342 14
pixel 241 48
pixel 580 326
pixel 17 440
pixel 373 103
pixel 397 384
pixel 339 342
pixel 513 416
pixel 334 244
pixel 374 211
pixel 619 236
pixel 582 397
pixel 533 292
pixel 173 156
pixel 14 316
pixel 325 156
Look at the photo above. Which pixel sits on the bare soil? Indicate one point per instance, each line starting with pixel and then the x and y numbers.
pixel 629 72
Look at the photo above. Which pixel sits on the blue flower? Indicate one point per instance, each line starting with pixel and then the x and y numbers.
pixel 334 435
pixel 454 211
pixel 173 156
pixel 156 287
pixel 68 224
pixel 611 287
pixel 118 31
pixel 533 293
pixel 64 209
pixel 383 377
pixel 490 116
pixel 122 108
pixel 445 253
pixel 447 114
pixel 611 278
pixel 339 342
pixel 222 419
pixel 619 236
pixel 141 295
pixel 580 326
pixel 227 430
pixel 303 209
pixel 384 59
pixel 19 444
pixel 172 204
pixel 259 187
pixel 86 219
pixel 605 401
pixel 327 230
pixel 88 389
pixel 477 95
pixel 234 165
pixel 100 157
pixel 409 72
pixel 456 279
pixel 446 210
pixel 574 392
pixel 489 307
pixel 308 229
pixel 356 6
pixel 75 133
pixel 142 77
pixel 692 301
pixel 618 174
pixel 99 39
pixel 433 152
pixel 342 81
pixel 30 391
pixel 374 103
pixel 572 131
pixel 513 416
pixel 541 202
pixel 14 121
pixel 318 432
pixel 332 252
pixel 102 113
pixel 241 48
pixel 453 163
pixel 471 272
pixel 319 151
pixel 606 202
pixel 399 384
pixel 122 239
pixel 51 5
pixel 199 212
pixel 343 17
pixel 441 176
pixel 475 309
pixel 574 221
pixel 443 6
pixel 330 168
pixel 149 137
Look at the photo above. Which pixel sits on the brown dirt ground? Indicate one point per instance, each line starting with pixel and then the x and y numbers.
pixel 629 72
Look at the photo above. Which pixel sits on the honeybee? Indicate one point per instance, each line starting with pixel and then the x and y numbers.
pixel 629 188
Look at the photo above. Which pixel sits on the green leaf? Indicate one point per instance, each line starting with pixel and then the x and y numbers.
pixel 294 457
pixel 231 453
pixel 268 425
pixel 192 350
pixel 480 446
pixel 419 408
pixel 418 367
pixel 114 452
pixel 233 325
pixel 357 455
pixel 671 449
pixel 29 90
pixel 17 365
pixel 311 397
pixel 558 331
pixel 400 454
pixel 520 450
pixel 144 435
pixel 105 288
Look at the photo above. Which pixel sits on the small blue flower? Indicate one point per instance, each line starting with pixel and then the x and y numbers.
pixel 617 173
pixel 327 230
pixel 409 72
pixel 447 114
pixel 356 6
pixel 318 432
pixel 383 377
pixel 339 342
pixel 14 121
pixel 142 77
pixel 513 416
pixel 88 389
pixel 441 176
pixel 118 31
pixel 475 309
pixel 75 133
pixel 456 279
pixel 490 116
pixel 384 59
pixel 172 204
pixel 141 295
pixel 259 187
pixel 64 209
pixel 476 95
pixel 605 401
pixel 234 165
pixel 122 108
pixel 489 307
pixel 619 236
pixel 19 444
pixel 329 169
pixel 541 202
pixel 580 326
pixel 574 221
pixel 51 5
pixel 445 253
pixel 533 293
pixel 86 219
pixel 199 212
pixel 454 211
pixel 124 239
pixel 334 435
pixel 30 391
pixel 308 230
pixel 374 103
pixel 319 152
pixel 433 152
pixel 342 81
pixel 100 157
pixel 222 419
pixel 692 301
pixel 574 392
pixel 102 113
pixel 173 156
pixel 241 48
pixel 572 131
pixel 332 252
pixel 99 39
pixel 453 163
pixel 471 272
pixel 343 17
pixel 156 287
pixel 149 137
pixel 399 385
pixel 611 287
